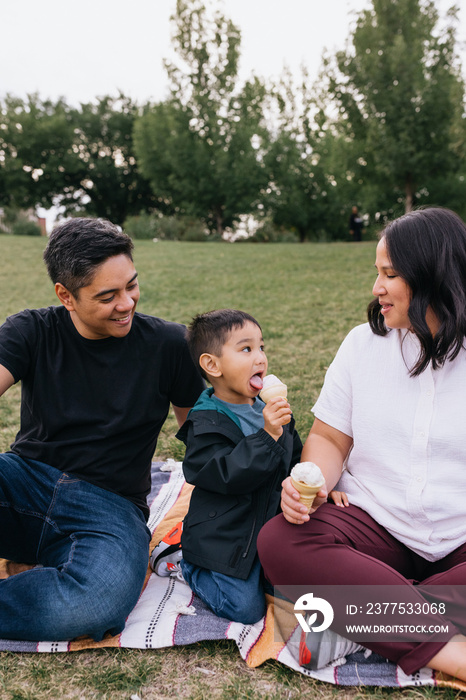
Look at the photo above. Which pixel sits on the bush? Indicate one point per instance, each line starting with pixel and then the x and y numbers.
pixel 195 230
pixel 268 233
pixel 24 227
pixel 170 228
pixel 143 226
pixel 165 228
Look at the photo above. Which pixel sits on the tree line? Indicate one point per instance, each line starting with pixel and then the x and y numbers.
pixel 382 127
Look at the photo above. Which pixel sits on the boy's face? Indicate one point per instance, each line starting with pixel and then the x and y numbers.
pixel 105 307
pixel 243 358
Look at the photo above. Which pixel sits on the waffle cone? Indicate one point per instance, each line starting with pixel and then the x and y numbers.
pixel 306 492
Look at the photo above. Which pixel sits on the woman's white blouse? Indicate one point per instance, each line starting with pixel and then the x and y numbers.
pixel 407 467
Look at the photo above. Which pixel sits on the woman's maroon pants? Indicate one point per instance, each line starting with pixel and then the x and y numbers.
pixel 346 547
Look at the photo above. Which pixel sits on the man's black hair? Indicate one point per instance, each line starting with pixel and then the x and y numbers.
pixel 78 246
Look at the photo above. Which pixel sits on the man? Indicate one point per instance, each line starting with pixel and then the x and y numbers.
pixel 355 225
pixel 97 382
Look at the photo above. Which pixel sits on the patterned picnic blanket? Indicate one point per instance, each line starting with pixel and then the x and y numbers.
pixel 169 614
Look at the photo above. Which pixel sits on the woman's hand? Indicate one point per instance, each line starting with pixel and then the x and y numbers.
pixel 339 498
pixel 294 511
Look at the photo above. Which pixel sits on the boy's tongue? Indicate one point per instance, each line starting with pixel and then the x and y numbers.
pixel 256 382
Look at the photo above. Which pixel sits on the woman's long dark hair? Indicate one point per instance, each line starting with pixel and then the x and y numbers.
pixel 427 248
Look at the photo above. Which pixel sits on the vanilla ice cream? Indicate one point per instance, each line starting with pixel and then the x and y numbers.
pixel 307 479
pixel 272 387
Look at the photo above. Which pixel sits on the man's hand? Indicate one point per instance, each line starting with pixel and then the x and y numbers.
pixel 294 511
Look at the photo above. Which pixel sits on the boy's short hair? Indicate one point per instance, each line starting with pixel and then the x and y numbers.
pixel 209 332
pixel 80 245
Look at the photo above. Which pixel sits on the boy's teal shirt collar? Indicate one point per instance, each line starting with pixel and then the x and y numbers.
pixel 206 403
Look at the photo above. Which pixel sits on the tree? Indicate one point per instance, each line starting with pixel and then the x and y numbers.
pixel 36 155
pixel 79 158
pixel 302 193
pixel 400 96
pixel 110 185
pixel 201 149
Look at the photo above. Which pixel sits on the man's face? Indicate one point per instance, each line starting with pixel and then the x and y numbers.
pixel 105 307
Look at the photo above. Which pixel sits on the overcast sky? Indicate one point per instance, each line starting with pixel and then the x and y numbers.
pixel 92 48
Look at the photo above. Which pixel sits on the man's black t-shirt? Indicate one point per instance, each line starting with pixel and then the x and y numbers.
pixel 94 408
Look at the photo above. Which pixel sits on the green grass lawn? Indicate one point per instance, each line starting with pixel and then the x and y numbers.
pixel 306 297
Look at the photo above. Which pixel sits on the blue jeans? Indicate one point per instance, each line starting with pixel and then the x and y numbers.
pixel 229 597
pixel 92 547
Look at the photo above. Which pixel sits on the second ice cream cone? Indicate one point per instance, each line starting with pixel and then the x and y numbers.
pixel 307 493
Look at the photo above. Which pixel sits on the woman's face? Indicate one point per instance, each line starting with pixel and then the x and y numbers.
pixel 392 291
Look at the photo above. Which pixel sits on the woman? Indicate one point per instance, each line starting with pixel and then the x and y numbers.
pixel 390 430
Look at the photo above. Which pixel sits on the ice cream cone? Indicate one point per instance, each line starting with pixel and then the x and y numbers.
pixel 274 390
pixel 273 387
pixel 307 493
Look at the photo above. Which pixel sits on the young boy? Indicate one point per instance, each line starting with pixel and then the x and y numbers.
pixel 238 451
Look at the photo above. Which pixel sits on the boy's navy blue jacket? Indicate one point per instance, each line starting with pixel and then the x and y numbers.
pixel 237 482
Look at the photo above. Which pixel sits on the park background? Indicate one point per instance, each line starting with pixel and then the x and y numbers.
pixel 221 148
pixel 207 151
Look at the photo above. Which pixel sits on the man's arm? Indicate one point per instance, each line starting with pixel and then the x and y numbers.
pixel 181 413
pixel 6 379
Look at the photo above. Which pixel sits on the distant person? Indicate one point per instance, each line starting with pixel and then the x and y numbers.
pixel 238 452
pixel 97 382
pixel 389 429
pixel 355 225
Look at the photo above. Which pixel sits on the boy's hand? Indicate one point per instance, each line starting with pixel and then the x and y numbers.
pixel 277 413
pixel 294 511
pixel 339 498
